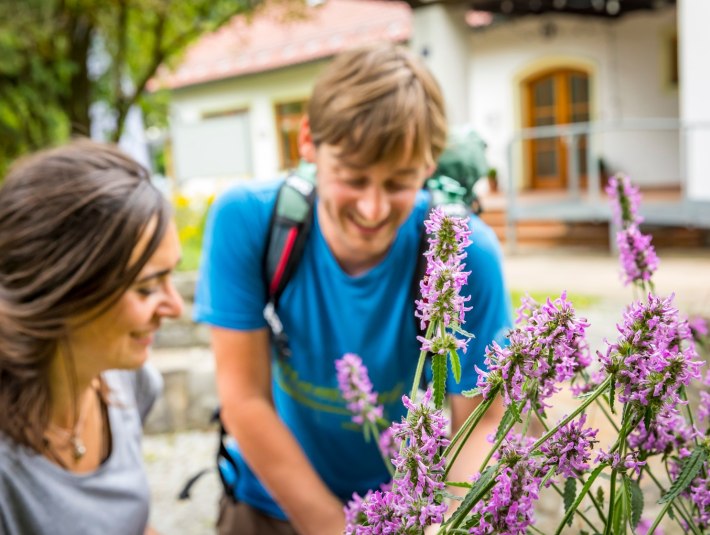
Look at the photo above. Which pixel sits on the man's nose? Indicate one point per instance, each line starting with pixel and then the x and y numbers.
pixel 373 205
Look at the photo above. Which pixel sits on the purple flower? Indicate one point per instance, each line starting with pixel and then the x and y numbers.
pixel 625 200
pixel 509 509
pixel 652 359
pixel 644 525
pixel 415 498
pixel 568 451
pixel 441 300
pixel 548 348
pixel 637 256
pixel 699 495
pixel 356 388
pixel 666 433
pixel 623 464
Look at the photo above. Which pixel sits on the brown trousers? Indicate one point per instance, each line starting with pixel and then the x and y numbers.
pixel 237 518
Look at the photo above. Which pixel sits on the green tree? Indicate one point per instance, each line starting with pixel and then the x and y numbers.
pixel 47 81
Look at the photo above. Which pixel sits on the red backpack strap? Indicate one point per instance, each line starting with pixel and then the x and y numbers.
pixel 290 225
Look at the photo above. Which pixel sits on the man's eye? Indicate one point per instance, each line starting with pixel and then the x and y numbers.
pixel 356 182
pixel 396 186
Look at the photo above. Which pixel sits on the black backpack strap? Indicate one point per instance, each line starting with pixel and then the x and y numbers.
pixel 290 225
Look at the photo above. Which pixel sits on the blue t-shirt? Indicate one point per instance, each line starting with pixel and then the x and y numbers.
pixel 326 313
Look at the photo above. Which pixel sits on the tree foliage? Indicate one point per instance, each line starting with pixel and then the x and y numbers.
pixel 57 57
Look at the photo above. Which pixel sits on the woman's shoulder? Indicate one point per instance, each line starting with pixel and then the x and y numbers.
pixel 140 387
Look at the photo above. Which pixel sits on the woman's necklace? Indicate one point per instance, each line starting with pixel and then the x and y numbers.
pixel 71 439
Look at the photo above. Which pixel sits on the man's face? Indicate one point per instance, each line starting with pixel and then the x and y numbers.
pixel 361 210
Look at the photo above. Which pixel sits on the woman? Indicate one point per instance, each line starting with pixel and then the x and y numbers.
pixel 87 247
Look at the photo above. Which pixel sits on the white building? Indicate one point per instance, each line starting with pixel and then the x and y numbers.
pixel 563 91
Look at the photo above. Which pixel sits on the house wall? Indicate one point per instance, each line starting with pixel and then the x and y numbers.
pixel 628 65
pixel 695 104
pixel 257 96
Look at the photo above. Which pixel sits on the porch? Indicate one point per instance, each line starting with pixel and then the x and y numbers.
pixel 550 219
pixel 573 160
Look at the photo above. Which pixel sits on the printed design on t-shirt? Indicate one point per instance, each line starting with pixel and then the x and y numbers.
pixel 323 398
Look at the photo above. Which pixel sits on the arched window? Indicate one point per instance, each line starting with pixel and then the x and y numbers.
pixel 555 97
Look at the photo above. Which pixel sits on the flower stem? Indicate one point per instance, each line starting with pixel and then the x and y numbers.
pixel 580 513
pixel 594 395
pixel 659 517
pixel 465 431
pixel 679 507
pixel 420 363
pixel 388 462
pixel 496 445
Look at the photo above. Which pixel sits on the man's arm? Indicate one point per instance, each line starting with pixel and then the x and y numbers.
pixel 269 447
pixel 477 447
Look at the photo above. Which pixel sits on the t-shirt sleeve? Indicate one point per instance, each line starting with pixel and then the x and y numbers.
pixel 490 316
pixel 230 289
pixel 148 387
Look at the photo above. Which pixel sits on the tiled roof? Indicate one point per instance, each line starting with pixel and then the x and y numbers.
pixel 267 43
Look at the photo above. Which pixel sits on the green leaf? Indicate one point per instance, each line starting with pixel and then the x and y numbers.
pixel 455 365
pixel 457 329
pixel 580 496
pixel 460 484
pixel 472 393
pixel 612 393
pixel 506 422
pixel 635 501
pixel 600 495
pixel 691 466
pixel 438 368
pixel 478 490
pixel 569 495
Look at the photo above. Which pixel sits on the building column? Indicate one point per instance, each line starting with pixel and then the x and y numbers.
pixel 441 35
pixel 694 87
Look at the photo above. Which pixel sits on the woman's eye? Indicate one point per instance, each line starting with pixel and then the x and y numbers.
pixel 146 291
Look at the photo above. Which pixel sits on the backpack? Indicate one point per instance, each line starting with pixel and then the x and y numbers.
pixel 289 228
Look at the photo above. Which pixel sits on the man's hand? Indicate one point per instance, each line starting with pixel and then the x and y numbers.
pixel 268 446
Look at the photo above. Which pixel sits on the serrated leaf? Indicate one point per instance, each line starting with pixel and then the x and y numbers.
pixel 472 393
pixel 459 484
pixel 569 495
pixel 457 329
pixel 600 495
pixel 455 365
pixel 612 393
pixel 636 503
pixel 516 412
pixel 506 422
pixel 448 495
pixel 691 467
pixel 478 490
pixel 438 368
pixel 580 496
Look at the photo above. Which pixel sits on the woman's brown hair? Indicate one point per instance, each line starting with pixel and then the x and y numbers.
pixel 70 219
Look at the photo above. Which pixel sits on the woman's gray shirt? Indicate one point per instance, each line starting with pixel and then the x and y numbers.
pixel 38 497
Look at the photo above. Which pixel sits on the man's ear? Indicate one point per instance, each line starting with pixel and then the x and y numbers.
pixel 306 147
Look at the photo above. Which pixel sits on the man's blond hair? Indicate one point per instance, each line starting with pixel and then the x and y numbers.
pixel 379 103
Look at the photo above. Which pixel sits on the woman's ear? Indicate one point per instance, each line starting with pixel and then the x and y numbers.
pixel 306 147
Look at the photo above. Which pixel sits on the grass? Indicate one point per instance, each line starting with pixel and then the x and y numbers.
pixel 580 301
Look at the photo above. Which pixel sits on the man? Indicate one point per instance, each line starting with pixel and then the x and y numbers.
pixel 374 130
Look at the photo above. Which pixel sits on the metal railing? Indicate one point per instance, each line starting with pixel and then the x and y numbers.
pixel 587 204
